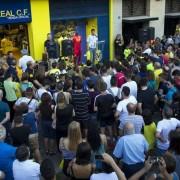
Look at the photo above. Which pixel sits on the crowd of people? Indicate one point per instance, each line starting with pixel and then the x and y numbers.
pixel 114 120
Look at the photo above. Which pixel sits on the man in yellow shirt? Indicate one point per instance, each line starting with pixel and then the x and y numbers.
pixel 149 66
pixel 127 52
pixel 149 128
pixel 54 69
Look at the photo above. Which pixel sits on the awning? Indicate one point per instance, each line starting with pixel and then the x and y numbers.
pixel 172 15
pixel 136 19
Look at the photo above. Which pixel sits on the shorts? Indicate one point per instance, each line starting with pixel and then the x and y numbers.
pixel 33 141
pixel 108 121
pixel 47 130
pixel 93 117
pixel 83 124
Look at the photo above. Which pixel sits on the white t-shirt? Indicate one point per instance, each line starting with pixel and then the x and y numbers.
pixel 40 92
pixel 115 91
pixel 147 51
pixel 23 62
pixel 104 176
pixel 122 106
pixel 32 106
pixel 92 41
pixel 107 80
pixel 26 170
pixel 164 127
pixel 132 86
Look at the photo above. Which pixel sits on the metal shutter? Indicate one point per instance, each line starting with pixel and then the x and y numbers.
pixel 73 9
pixel 172 6
pixel 134 8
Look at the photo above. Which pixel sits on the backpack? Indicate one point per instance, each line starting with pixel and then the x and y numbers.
pixel 116 98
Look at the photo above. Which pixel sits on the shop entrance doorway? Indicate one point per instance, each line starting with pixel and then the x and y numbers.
pixel 13 37
pixel 131 31
pixel 170 25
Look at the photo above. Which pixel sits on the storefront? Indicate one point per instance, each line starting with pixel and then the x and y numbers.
pixel 172 16
pixel 136 18
pixel 14 18
pixel 68 17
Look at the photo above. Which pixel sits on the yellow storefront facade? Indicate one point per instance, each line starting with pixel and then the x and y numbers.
pixel 41 25
pixel 40 21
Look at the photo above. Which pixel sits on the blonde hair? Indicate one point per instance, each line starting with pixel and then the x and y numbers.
pixel 74 135
pixel 61 100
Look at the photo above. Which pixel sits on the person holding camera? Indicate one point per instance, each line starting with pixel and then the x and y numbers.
pixel 110 170
pixel 81 167
pixel 158 168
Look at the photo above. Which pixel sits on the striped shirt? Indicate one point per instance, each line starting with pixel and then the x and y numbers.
pixel 81 102
pixel 137 120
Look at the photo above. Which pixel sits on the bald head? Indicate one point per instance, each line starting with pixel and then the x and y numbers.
pixel 129 128
pixel 131 108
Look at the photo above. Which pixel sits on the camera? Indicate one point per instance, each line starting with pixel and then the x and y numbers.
pixel 155 159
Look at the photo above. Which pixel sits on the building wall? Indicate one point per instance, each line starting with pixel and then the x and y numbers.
pixel 115 16
pixel 39 27
pixel 157 9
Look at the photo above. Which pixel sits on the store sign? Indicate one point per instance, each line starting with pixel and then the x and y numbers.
pixel 15 11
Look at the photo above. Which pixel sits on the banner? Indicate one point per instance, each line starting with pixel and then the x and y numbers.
pixel 15 11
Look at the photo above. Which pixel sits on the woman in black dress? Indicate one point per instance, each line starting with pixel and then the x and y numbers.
pixel 46 109
pixel 64 114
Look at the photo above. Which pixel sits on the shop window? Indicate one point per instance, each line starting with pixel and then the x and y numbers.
pixel 134 8
pixel 13 38
pixel 172 6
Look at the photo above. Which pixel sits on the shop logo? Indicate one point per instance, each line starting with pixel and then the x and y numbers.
pixel 14 14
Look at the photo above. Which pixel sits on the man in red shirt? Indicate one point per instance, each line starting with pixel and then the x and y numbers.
pixel 77 48
pixel 120 77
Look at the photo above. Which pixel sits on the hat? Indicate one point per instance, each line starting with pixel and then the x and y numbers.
pixel 2 132
pixel 24 51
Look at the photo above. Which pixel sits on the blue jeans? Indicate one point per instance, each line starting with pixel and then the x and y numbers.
pixel 92 54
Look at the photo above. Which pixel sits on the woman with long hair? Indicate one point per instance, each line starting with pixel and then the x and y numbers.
pixel 64 115
pixel 97 141
pixel 60 88
pixel 46 110
pixel 81 167
pixel 68 146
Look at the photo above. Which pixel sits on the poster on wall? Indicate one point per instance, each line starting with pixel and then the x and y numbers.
pixel 12 12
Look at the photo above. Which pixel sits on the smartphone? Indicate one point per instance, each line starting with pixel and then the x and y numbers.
pixel 99 157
